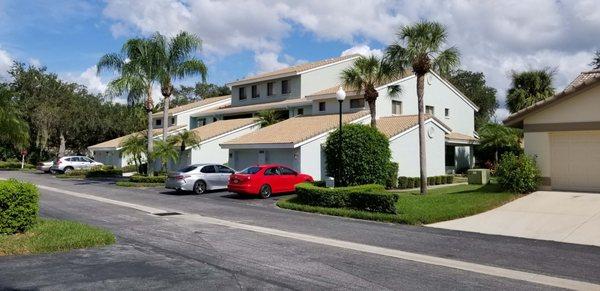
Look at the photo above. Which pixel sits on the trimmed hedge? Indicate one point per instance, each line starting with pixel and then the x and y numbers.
pixel 12 165
pixel 129 168
pixel 104 172
pixel 415 182
pixel 19 206
pixel 146 179
pixel 370 197
pixel 391 181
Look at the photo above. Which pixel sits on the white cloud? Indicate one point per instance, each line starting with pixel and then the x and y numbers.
pixel 364 50
pixel 88 78
pixel 34 62
pixel 271 61
pixel 5 63
pixel 500 115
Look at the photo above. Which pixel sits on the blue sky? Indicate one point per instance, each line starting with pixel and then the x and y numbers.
pixel 246 37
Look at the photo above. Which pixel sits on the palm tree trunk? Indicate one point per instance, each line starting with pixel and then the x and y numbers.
pixel 150 135
pixel 166 117
pixel 422 157
pixel 62 147
pixel 373 111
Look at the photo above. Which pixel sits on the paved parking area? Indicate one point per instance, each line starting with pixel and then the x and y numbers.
pixel 570 217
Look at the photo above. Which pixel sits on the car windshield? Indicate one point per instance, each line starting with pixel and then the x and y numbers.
pixel 250 170
pixel 188 169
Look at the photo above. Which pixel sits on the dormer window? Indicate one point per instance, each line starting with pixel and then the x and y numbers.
pixel 270 89
pixel 242 93
pixel 255 91
pixel 172 120
pixel 285 87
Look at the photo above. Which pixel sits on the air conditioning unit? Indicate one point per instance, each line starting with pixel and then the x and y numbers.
pixel 478 176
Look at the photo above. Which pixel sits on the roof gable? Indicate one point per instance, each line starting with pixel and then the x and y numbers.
pixel 194 105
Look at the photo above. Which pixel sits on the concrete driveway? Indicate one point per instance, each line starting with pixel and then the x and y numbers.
pixel 558 216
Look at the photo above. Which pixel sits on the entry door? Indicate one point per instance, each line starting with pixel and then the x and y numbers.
pixel 262 159
pixel 575 162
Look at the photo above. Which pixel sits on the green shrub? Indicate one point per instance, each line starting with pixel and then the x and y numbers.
pixel 449 179
pixel 146 179
pixel 129 168
pixel 104 172
pixel 19 206
pixel 518 173
pixel 365 197
pixel 319 183
pixel 402 182
pixel 430 180
pixel 363 159
pixel 439 180
pixel 14 165
pixel 76 173
pixel 392 178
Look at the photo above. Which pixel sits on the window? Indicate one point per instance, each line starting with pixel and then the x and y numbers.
pixel 208 169
pixel 300 111
pixel 255 91
pixel 158 122
pixel 250 170
pixel 357 103
pixel 321 106
pixel 286 171
pixel 396 107
pixel 447 112
pixel 429 110
pixel 188 169
pixel 270 89
pixel 172 120
pixel 285 87
pixel 272 172
pixel 242 93
pixel 450 156
pixel 224 170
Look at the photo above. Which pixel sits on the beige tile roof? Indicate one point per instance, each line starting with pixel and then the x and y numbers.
pixel 193 105
pixel 460 136
pixel 333 90
pixel 295 69
pixel 394 125
pixel 257 107
pixel 296 129
pixel 583 81
pixel 115 143
pixel 220 127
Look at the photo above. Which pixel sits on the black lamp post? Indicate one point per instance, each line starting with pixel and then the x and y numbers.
pixel 340 96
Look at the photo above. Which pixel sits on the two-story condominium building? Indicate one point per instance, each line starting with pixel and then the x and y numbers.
pixel 304 95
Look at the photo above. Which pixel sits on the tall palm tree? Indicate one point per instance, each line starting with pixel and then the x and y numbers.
pixel 135 146
pixel 269 117
pixel 14 129
pixel 176 60
pixel 165 151
pixel 420 47
pixel 137 69
pixel 528 88
pixel 366 74
pixel 185 139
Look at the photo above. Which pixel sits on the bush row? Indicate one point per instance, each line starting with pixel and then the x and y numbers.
pixel 146 179
pixel 14 165
pixel 104 172
pixel 414 182
pixel 19 206
pixel 371 197
pixel 129 168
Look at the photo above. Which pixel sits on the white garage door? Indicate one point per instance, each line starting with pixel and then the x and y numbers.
pixel 575 161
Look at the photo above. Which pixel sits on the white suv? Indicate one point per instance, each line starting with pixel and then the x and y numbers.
pixel 70 163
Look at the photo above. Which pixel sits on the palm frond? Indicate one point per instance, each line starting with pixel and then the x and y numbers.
pixel 446 61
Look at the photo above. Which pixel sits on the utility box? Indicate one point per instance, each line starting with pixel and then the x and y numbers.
pixel 329 182
pixel 478 176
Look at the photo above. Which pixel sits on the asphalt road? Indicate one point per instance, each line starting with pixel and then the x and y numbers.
pixel 226 242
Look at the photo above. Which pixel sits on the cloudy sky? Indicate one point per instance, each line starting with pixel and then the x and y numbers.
pixel 245 37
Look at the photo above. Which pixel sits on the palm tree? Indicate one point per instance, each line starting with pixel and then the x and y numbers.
pixel 175 60
pixel 268 117
pixel 165 151
pixel 420 48
pixel 185 139
pixel 528 88
pixel 135 146
pixel 14 129
pixel 595 64
pixel 496 136
pixel 366 74
pixel 136 65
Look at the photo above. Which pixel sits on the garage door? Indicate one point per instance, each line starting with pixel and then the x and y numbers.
pixel 575 163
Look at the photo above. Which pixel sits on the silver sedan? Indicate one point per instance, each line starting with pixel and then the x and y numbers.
pixel 199 178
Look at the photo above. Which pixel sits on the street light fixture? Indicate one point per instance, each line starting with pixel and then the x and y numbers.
pixel 340 95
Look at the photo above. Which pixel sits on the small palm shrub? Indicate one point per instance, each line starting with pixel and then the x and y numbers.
pixel 518 173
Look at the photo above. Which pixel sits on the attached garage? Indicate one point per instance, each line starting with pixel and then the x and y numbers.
pixel 563 134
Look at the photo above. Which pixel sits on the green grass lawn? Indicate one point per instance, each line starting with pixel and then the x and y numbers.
pixel 139 184
pixel 438 205
pixel 49 236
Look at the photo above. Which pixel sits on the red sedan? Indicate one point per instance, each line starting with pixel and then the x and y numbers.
pixel 265 180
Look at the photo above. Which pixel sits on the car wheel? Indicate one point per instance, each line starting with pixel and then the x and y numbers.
pixel 265 191
pixel 199 187
pixel 67 170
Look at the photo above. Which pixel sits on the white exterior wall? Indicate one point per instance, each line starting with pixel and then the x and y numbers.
pixel 210 151
pixel 405 152
pixel 583 107
pixel 112 158
pixel 312 159
pixel 323 78
pixel 437 94
pixel 293 83
pixel 537 145
pixel 332 106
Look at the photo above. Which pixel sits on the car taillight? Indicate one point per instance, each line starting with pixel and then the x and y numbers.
pixel 181 177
